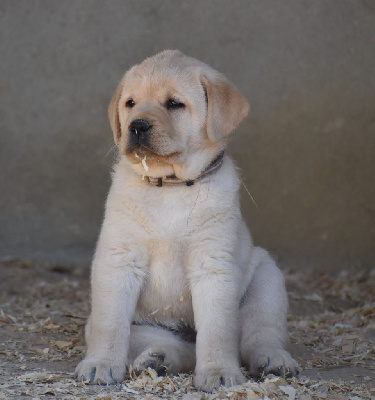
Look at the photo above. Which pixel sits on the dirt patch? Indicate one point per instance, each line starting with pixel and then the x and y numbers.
pixel 43 310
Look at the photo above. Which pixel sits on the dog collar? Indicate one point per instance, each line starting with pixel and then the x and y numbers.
pixel 172 180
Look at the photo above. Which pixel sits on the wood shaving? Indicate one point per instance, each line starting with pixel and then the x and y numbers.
pixel 145 166
pixel 331 326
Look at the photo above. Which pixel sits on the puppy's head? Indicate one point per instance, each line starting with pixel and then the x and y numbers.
pixel 175 111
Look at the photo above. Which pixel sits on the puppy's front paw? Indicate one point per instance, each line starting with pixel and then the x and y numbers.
pixel 100 372
pixel 273 361
pixel 212 378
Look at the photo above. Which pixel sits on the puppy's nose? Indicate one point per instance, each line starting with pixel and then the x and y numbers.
pixel 139 126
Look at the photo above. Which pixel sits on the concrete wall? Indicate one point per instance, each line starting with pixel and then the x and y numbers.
pixel 307 151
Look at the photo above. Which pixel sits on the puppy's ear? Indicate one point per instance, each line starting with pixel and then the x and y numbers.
pixel 226 107
pixel 113 112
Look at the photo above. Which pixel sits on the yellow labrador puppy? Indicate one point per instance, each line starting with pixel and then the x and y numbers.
pixel 174 253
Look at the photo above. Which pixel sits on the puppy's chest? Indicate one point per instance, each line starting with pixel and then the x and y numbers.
pixel 171 219
pixel 164 212
pixel 165 296
pixel 165 224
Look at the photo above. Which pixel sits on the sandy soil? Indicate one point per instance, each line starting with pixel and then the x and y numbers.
pixel 43 310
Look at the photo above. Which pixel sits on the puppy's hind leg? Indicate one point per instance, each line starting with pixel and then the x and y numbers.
pixel 263 319
pixel 160 350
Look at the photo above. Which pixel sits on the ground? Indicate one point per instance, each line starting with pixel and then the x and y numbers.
pixel 43 309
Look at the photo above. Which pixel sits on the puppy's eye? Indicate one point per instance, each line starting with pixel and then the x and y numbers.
pixel 173 104
pixel 130 103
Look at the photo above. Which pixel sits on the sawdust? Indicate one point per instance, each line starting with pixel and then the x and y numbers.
pixel 43 311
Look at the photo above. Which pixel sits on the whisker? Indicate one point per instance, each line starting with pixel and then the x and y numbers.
pixel 195 203
pixel 248 192
pixel 113 146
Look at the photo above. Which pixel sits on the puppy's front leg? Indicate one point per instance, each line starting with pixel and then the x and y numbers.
pixel 215 294
pixel 116 282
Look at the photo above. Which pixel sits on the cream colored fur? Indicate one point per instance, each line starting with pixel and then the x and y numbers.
pixel 181 255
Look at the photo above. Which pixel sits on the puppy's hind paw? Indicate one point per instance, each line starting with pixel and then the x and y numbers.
pixel 151 359
pixel 273 361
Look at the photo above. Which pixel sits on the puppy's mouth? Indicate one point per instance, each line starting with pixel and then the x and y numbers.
pixel 146 155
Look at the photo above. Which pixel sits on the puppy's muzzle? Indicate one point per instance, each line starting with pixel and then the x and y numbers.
pixel 139 132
